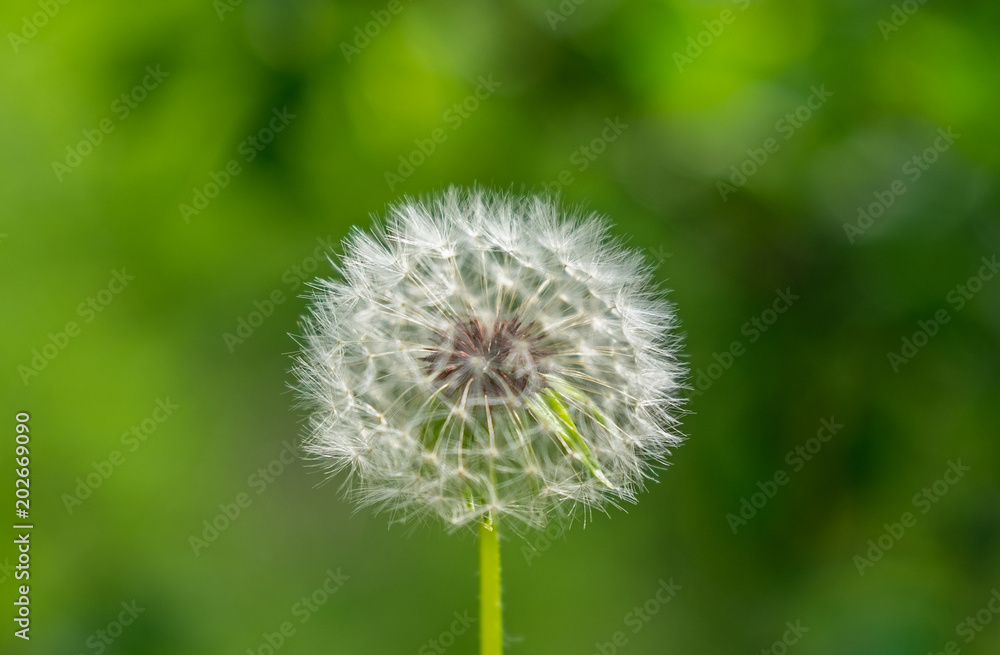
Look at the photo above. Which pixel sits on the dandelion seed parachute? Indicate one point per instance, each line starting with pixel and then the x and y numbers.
pixel 488 357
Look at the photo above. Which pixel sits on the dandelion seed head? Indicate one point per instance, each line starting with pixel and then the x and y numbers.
pixel 484 356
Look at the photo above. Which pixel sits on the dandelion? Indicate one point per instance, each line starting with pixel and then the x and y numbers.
pixel 489 360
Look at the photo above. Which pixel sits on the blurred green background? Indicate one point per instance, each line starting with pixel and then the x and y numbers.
pixel 207 149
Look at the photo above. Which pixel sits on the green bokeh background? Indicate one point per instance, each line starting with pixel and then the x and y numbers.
pixel 559 80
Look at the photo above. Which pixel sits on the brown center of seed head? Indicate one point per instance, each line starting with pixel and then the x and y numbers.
pixel 497 361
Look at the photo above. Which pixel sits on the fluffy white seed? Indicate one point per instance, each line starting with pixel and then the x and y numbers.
pixel 486 357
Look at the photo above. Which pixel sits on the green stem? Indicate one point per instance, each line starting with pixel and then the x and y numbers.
pixel 490 611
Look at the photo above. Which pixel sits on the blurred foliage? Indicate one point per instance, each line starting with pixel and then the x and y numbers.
pixel 701 91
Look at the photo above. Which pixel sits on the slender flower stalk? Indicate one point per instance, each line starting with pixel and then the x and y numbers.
pixel 490 606
pixel 486 360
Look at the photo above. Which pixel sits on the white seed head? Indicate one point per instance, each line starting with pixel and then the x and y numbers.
pixel 487 357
